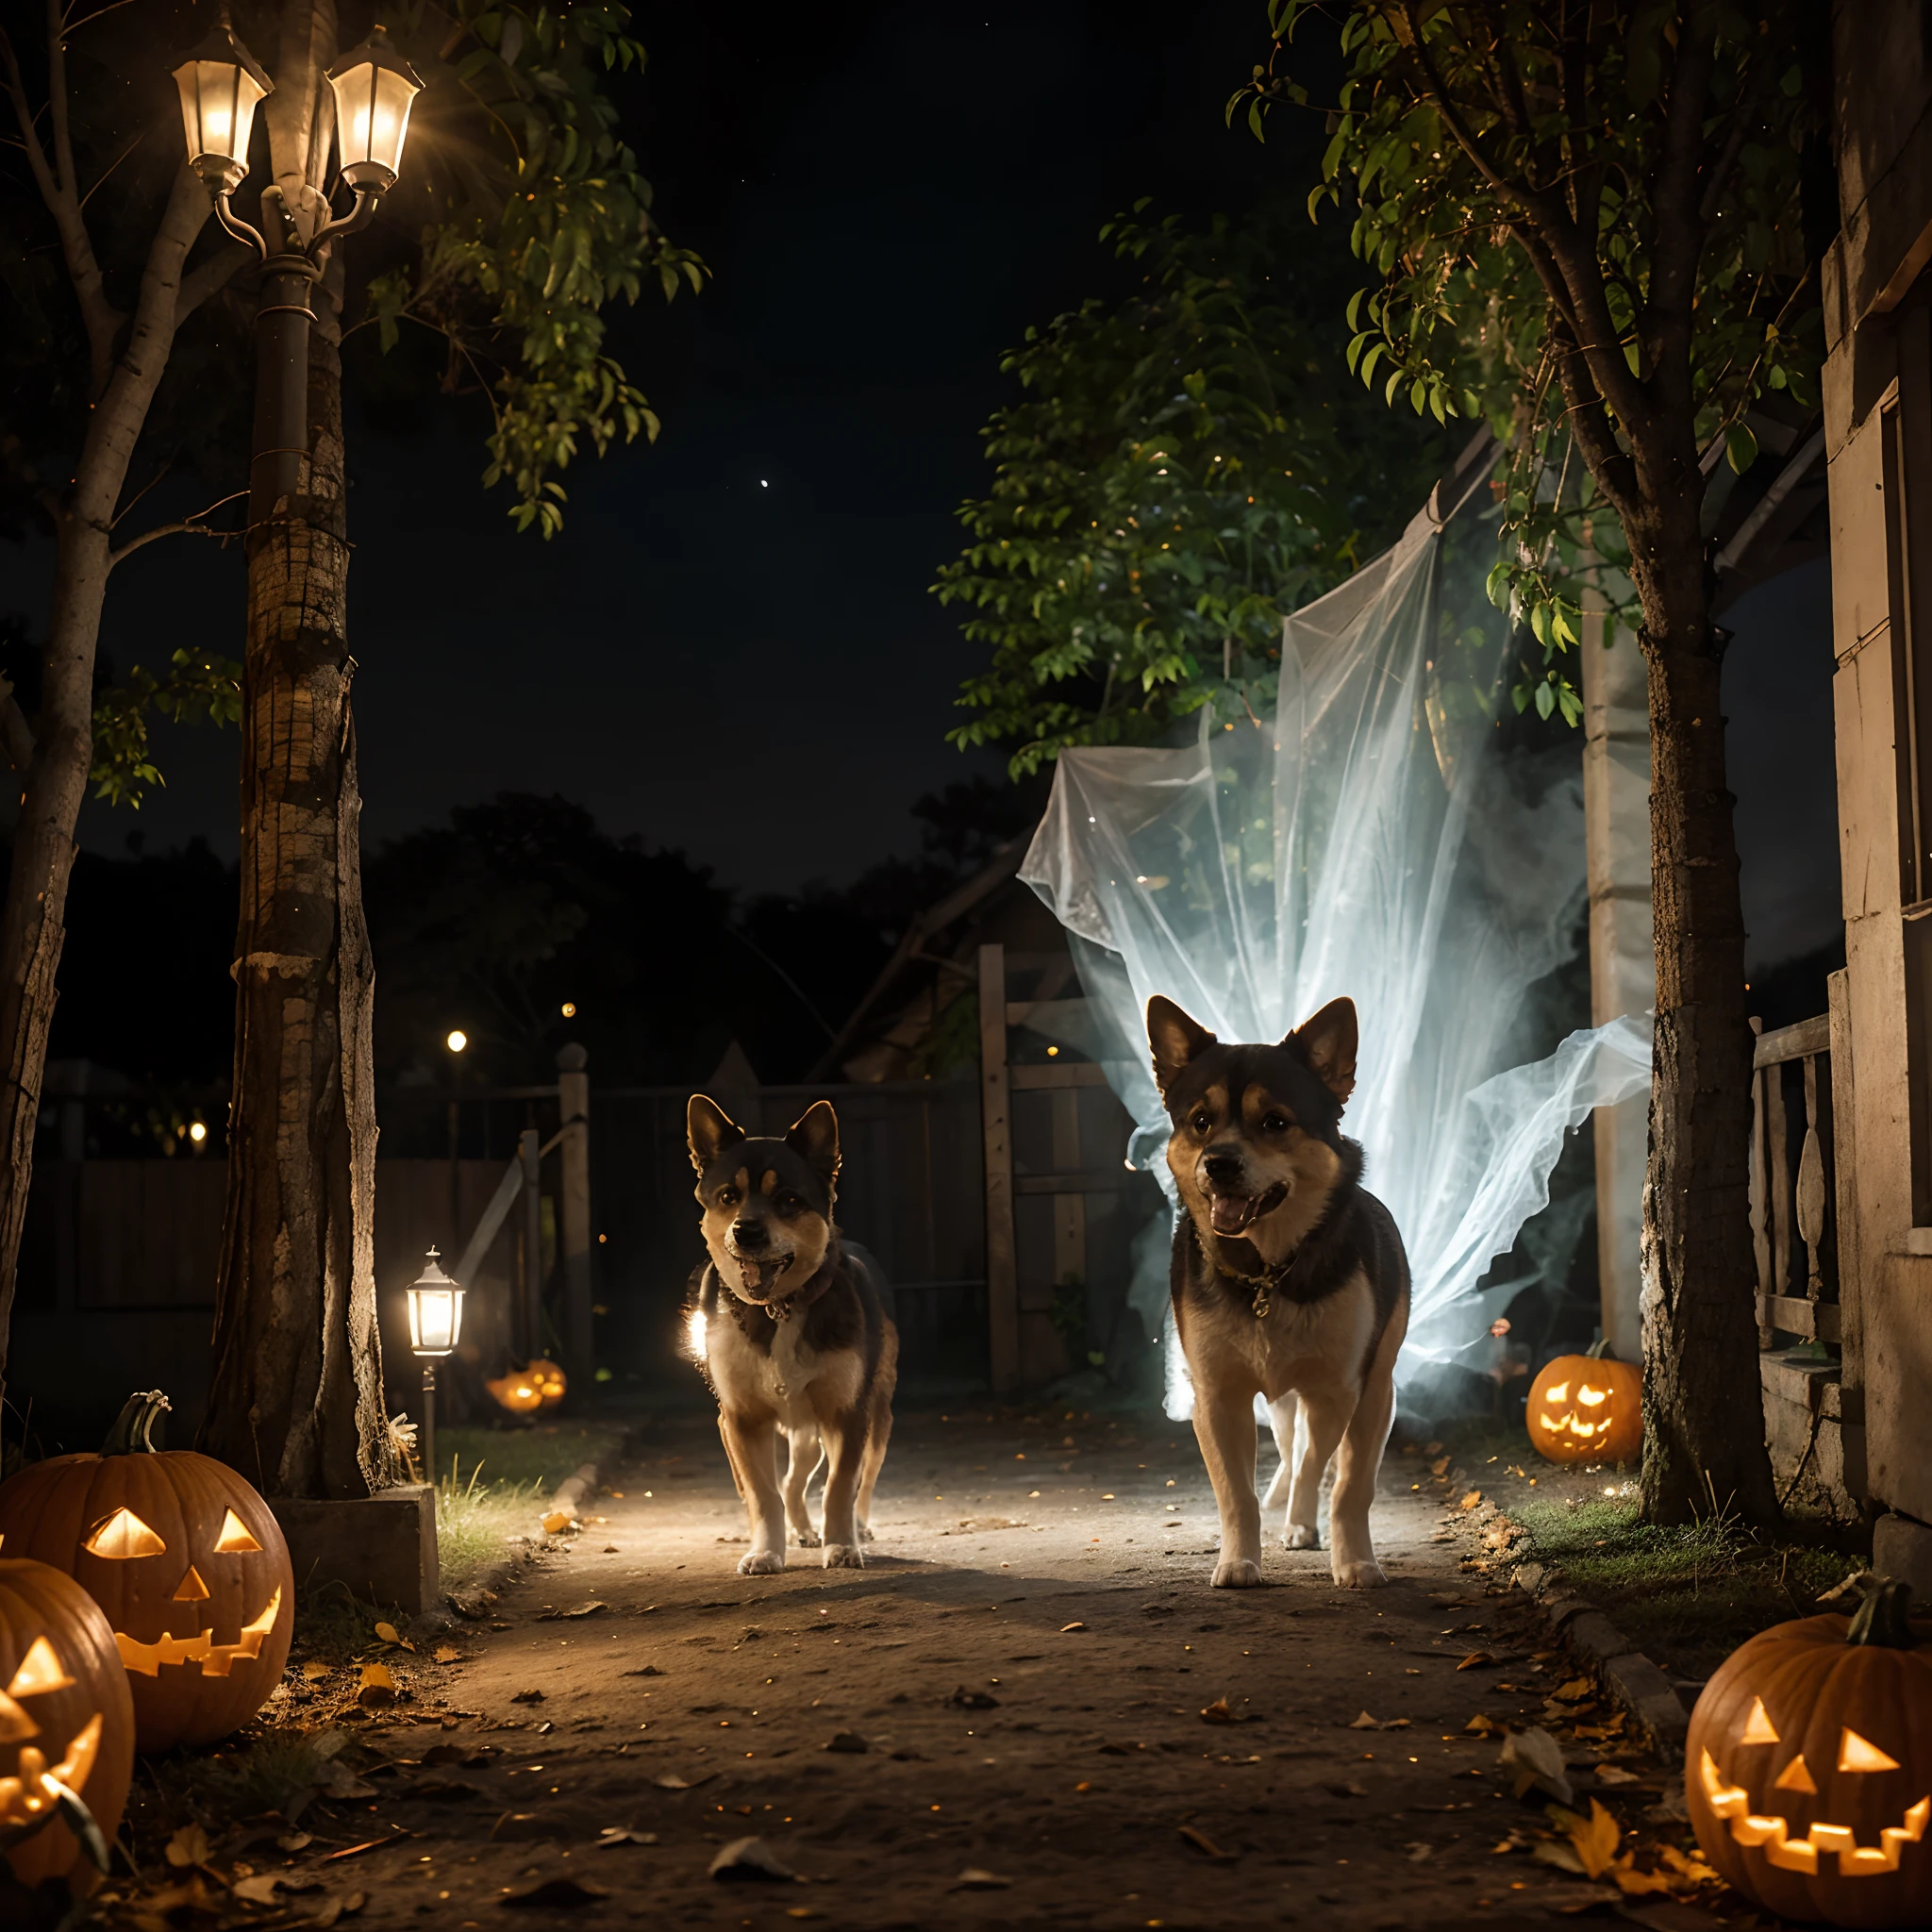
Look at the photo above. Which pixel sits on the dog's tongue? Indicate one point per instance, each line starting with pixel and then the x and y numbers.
pixel 1231 1213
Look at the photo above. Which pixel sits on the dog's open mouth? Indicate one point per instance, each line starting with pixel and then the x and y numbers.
pixel 761 1274
pixel 1234 1214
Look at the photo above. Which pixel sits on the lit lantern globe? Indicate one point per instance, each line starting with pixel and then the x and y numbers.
pixel 220 84
pixel 436 1311
pixel 1586 1408
pixel 374 88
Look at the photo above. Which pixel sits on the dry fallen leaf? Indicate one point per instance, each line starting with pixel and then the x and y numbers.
pixel 292 1841
pixel 377 1690
pixel 446 1654
pixel 1630 1881
pixel 1469 1501
pixel 1596 1838
pixel 189 1846
pixel 1440 1467
pixel 1476 1660
pixel 1691 1866
pixel 1615 1775
pixel 1480 1726
pixel 389 1634
pixel 1218 1712
pixel 749 1858
pixel 1533 1758
pixel 976 1878
pixel 555 1891
pixel 314 1672
pixel 1206 1845
pixel 257 1892
pixel 1065 1628
pixel 1573 1691
pixel 563 1616
pixel 619 1835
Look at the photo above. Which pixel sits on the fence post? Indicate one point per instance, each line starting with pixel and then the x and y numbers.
pixel 1002 1276
pixel 530 1279
pixel 574 1231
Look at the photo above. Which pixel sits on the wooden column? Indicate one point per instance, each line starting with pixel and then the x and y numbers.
pixel 574 1221
pixel 1002 1276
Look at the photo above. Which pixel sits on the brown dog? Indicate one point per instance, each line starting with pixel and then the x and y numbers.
pixel 792 1330
pixel 1289 1279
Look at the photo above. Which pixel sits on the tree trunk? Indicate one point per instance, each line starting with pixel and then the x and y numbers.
pixel 32 929
pixel 296 1402
pixel 1702 1403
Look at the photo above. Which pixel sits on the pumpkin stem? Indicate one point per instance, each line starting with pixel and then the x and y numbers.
pixel 139 1427
pixel 1599 1350
pixel 1884 1618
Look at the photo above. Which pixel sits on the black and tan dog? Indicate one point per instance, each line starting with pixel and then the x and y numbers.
pixel 1289 1279
pixel 792 1330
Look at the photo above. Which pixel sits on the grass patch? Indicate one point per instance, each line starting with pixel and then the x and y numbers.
pixel 538 1458
pixel 1686 1594
pixel 474 1519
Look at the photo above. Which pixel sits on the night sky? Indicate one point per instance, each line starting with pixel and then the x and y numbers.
pixel 731 648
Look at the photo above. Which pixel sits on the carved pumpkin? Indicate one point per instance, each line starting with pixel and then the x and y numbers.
pixel 517 1392
pixel 66 1720
pixel 1586 1408
pixel 1808 1768
pixel 549 1378
pixel 185 1559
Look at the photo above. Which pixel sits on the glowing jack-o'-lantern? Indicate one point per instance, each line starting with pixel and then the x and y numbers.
pixel 1586 1408
pixel 1808 1768
pixel 517 1392
pixel 66 1723
pixel 185 1559
pixel 550 1380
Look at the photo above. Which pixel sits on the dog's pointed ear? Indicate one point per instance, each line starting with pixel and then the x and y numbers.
pixel 708 1130
pixel 815 1135
pixel 1175 1038
pixel 1328 1039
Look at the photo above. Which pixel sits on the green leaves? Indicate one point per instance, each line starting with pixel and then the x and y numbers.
pixel 1502 168
pixel 547 225
pixel 1178 472
pixel 198 687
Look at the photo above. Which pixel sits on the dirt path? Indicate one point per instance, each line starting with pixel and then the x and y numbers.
pixel 1018 1681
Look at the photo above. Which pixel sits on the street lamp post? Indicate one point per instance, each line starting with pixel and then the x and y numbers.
pixel 221 84
pixel 435 1319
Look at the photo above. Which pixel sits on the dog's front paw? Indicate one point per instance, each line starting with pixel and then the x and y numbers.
pixel 1236 1572
pixel 845 1556
pixel 761 1562
pixel 1359 1572
pixel 865 1535
pixel 806 1538
pixel 1302 1536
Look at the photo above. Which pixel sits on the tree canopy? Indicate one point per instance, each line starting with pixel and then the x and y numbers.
pixel 1185 465
pixel 1584 225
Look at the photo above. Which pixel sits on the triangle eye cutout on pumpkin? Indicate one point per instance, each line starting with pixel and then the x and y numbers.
pixel 192 1590
pixel 1796 1777
pixel 235 1539
pixel 122 1535
pixel 1860 1754
pixel 39 1670
pixel 1758 1728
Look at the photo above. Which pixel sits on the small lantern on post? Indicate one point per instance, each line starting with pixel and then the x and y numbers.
pixel 436 1322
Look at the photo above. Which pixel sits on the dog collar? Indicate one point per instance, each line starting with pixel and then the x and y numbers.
pixel 1262 1285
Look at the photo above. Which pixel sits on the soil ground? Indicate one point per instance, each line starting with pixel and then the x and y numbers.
pixel 1030 1681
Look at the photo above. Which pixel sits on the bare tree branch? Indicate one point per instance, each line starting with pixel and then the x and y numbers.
pixel 98 315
